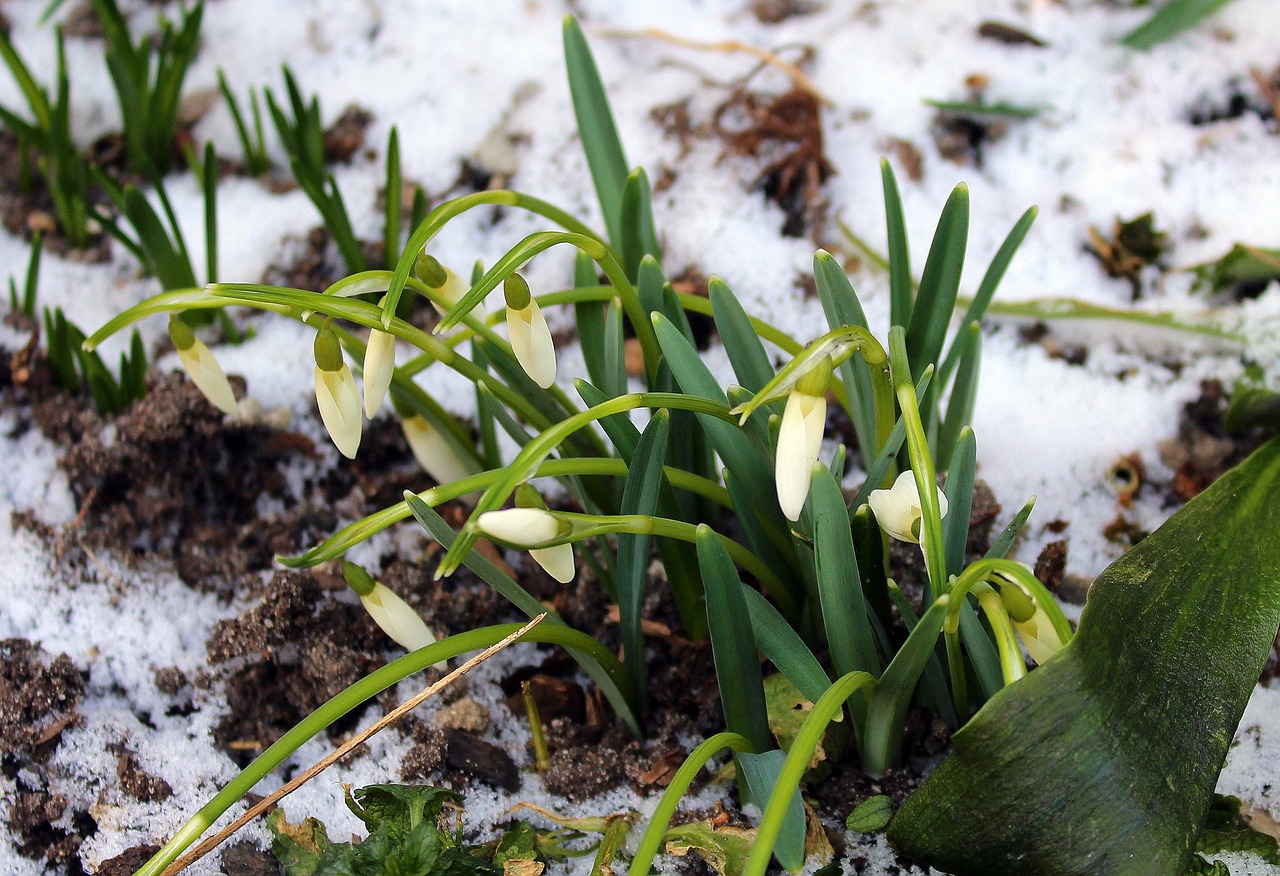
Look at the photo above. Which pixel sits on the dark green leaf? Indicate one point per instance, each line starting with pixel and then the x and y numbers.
pixel 844 612
pixel 746 353
pixel 1108 754
pixel 939 284
pixel 639 239
pixel 1170 20
pixel 870 815
pixel 900 282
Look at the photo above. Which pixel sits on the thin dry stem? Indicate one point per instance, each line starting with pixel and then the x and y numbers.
pixel 794 73
pixel 324 763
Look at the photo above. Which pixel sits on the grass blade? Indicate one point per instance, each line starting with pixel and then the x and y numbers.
pixel 844 612
pixel 639 496
pixel 939 284
pixel 900 283
pixel 963 394
pixel 1172 19
pixel 746 353
pixel 639 238
pixel 599 135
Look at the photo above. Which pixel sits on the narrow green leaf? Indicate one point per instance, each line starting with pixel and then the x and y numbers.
pixel 760 772
pixel 639 496
pixel 779 641
pixel 1004 541
pixel 959 493
pixel 939 284
pixel 887 714
pixel 844 612
pixel 1170 20
pixel 639 238
pixel 209 180
pixel 900 281
pixel 614 366
pixel 1126 727
pixel 733 644
pixel 599 136
pixel 964 392
pixel 391 217
pixel 589 317
pixel 746 353
pixel 623 434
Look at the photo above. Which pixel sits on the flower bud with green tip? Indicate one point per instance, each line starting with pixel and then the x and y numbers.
pixel 392 614
pixel 336 393
pixel 379 366
pixel 433 451
pixel 1032 623
pixel 527 330
pixel 897 509
pixel 448 285
pixel 800 437
pixel 202 367
pixel 530 524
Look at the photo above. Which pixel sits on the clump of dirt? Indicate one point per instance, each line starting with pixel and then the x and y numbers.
pixel 300 647
pixel 36 819
pixel 345 137
pixel 1259 97
pixel 785 130
pixel 38 698
pixel 1202 451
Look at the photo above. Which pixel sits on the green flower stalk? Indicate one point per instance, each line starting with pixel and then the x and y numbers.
pixel 800 437
pixel 336 393
pixel 202 367
pixel 527 329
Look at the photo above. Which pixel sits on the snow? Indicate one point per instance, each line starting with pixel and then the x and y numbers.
pixel 1111 142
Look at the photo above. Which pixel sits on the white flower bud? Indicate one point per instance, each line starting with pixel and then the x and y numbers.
pixel 379 366
pixel 521 527
pixel 205 372
pixel 433 451
pixel 526 528
pixel 799 439
pixel 897 509
pixel 532 343
pixel 397 619
pixel 1039 636
pixel 339 404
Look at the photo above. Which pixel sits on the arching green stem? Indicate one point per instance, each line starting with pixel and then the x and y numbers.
pixel 355 695
pixel 541 446
pixel 344 539
pixel 797 762
pixel 651 841
pixel 1012 666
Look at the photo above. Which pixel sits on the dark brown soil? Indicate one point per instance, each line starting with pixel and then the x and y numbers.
pixel 38 697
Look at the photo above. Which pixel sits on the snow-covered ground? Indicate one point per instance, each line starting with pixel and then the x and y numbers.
pixel 1113 140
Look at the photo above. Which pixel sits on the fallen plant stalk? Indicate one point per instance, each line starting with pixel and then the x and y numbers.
pixel 342 751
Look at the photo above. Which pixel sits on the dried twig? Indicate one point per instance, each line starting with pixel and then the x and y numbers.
pixel 794 73
pixel 324 763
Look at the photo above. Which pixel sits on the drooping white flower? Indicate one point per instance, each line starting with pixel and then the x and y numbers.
pixel 526 528
pixel 527 330
pixel 1039 636
pixel 393 615
pixel 336 394
pixel 800 439
pixel 433 451
pixel 379 366
pixel 897 509
pixel 202 367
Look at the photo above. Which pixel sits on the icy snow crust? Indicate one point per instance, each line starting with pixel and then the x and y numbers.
pixel 1112 141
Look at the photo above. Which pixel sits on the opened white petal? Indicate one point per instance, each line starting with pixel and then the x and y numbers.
pixel 1039 636
pixel 521 527
pixel 205 372
pixel 799 439
pixel 557 561
pixel 397 619
pixel 379 366
pixel 532 343
pixel 339 404
pixel 897 509
pixel 434 453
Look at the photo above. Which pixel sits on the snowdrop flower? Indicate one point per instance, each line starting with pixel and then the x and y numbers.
pixel 445 282
pixel 527 329
pixel 202 367
pixel 525 527
pixel 1039 636
pixel 897 509
pixel 433 451
pixel 379 366
pixel 800 438
pixel 392 614
pixel 336 393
